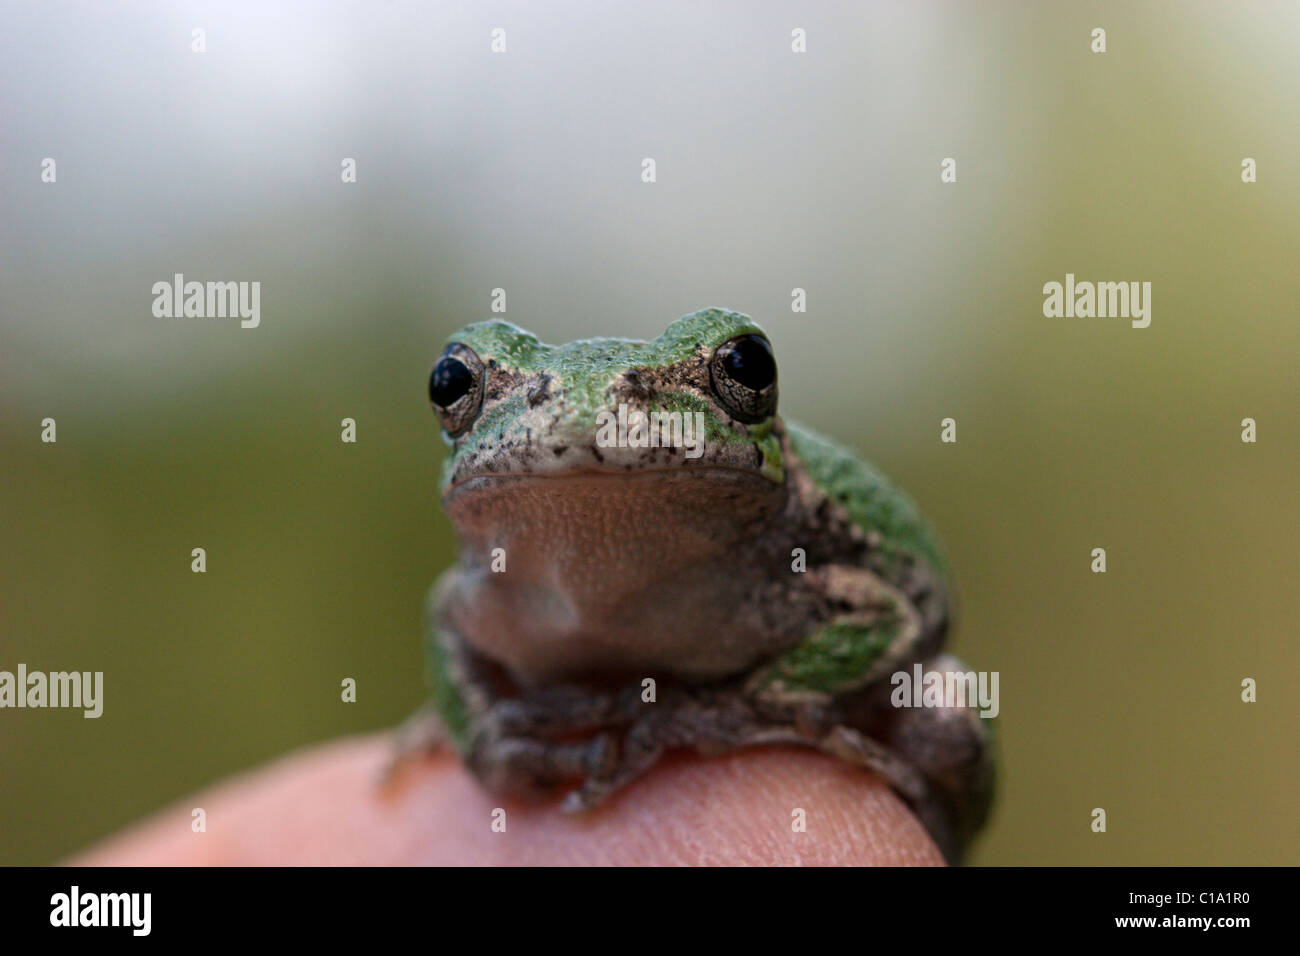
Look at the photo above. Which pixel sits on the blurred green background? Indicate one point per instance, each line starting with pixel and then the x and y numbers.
pixel 775 171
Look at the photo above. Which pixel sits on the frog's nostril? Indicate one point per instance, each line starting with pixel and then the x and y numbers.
pixel 539 391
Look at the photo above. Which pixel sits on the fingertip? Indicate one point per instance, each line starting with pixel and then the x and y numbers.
pixel 767 807
pixel 323 806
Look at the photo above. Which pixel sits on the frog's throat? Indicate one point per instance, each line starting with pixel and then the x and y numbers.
pixel 589 570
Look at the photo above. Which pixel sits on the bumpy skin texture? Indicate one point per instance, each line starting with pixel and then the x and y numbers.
pixel 635 563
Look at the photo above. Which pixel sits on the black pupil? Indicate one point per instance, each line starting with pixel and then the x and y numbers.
pixel 449 381
pixel 749 361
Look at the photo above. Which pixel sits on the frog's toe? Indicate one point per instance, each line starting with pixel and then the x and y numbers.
pixel 554 711
pixel 855 747
pixel 577 802
pixel 529 766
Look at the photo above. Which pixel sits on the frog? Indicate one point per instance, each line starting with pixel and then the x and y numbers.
pixel 616 599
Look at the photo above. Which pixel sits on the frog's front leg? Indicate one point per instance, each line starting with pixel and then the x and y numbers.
pixel 710 722
pixel 718 721
pixel 508 739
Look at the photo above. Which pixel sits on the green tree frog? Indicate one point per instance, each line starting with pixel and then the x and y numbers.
pixel 734 580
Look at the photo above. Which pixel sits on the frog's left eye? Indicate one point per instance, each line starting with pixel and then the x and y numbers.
pixel 743 375
pixel 456 388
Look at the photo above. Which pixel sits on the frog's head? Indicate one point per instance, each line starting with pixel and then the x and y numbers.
pixel 625 482
pixel 698 401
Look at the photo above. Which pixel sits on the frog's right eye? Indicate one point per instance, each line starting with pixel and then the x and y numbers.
pixel 456 388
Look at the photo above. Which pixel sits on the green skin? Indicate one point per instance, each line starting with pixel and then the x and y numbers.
pixel 612 603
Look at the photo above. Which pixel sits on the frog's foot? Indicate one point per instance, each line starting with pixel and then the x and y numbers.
pixel 720 724
pixel 528 767
pixel 711 728
pixel 558 711
pixel 952 747
pixel 855 747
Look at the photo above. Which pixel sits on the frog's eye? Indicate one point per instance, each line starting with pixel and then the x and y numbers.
pixel 743 375
pixel 456 388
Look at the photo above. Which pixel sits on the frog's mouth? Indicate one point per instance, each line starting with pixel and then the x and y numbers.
pixel 678 478
pixel 557 459
pixel 677 510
